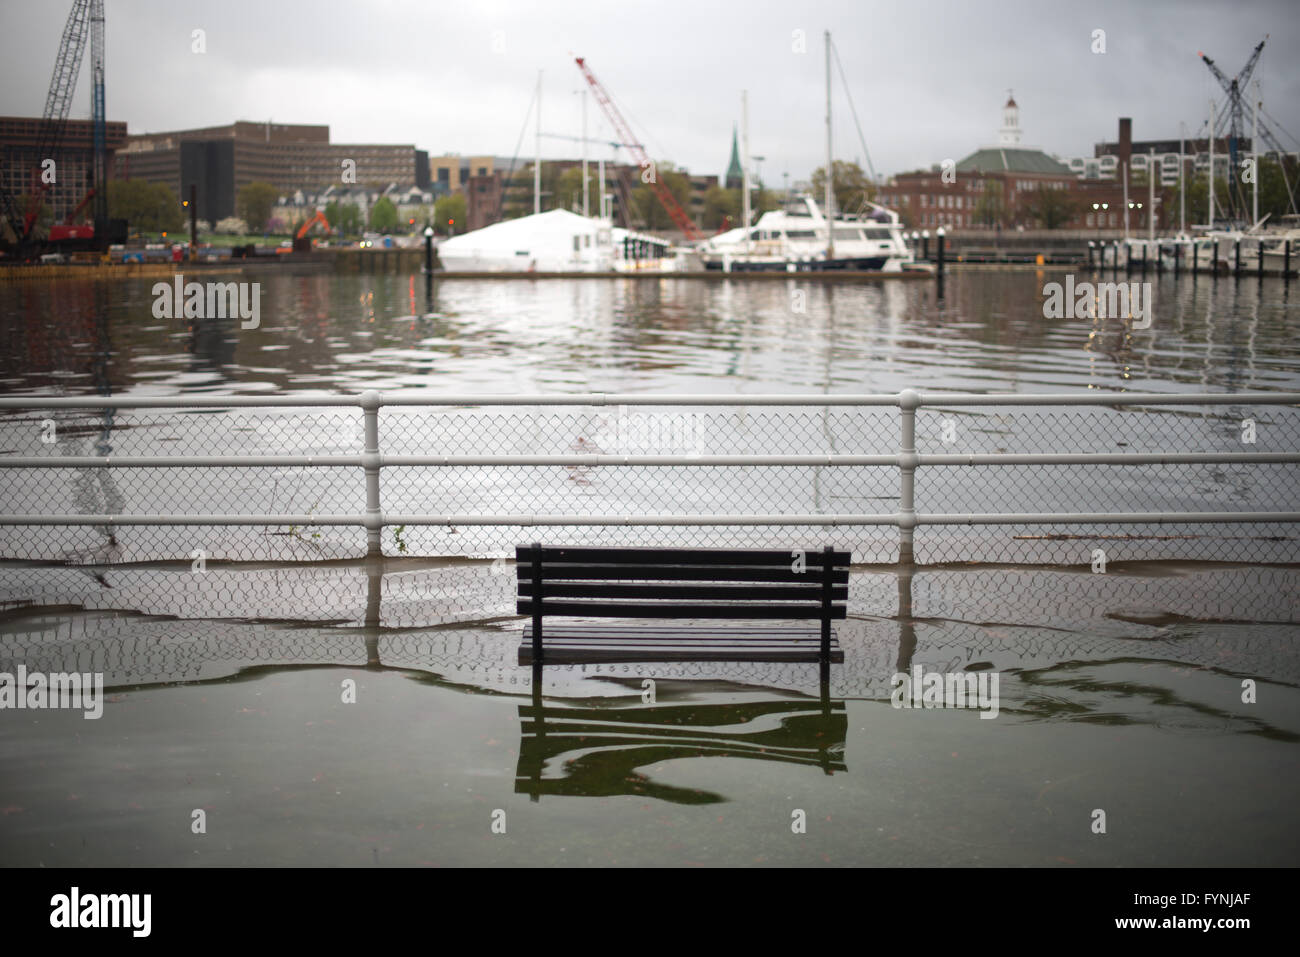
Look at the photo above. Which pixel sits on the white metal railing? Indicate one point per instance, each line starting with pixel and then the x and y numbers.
pixel 907 460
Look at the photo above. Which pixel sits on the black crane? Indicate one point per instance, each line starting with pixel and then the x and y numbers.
pixel 1231 116
pixel 86 18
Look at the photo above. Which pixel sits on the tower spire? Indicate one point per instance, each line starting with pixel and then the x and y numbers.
pixel 735 174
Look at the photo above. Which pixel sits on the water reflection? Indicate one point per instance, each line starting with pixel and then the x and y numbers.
pixel 601 751
pixel 978 331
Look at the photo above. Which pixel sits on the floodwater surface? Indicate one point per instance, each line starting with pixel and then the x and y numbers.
pixel 322 709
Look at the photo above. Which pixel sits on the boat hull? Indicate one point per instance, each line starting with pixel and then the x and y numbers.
pixel 856 264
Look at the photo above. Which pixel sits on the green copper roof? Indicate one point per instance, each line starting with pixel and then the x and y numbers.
pixel 734 173
pixel 995 159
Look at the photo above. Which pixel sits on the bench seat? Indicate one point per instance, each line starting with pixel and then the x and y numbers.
pixel 579 644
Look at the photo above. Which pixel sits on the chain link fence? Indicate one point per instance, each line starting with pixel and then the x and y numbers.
pixel 449 477
pixel 454 622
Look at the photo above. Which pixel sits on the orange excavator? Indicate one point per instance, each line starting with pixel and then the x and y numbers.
pixel 300 242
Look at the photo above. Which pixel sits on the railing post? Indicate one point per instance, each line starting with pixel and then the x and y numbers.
pixel 370 403
pixel 908 402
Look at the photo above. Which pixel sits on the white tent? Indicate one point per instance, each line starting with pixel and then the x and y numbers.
pixel 555 241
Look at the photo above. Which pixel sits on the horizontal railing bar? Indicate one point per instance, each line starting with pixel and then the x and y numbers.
pixel 358 400
pixel 614 459
pixel 1105 518
pixel 183 520
pixel 642 398
pixel 998 518
pixel 932 399
pixel 175 461
pixel 175 401
pixel 1108 458
pixel 397 461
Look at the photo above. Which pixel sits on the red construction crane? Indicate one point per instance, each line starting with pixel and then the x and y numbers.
pixel 624 133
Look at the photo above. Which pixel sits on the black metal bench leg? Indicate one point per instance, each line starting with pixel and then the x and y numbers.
pixel 827 560
pixel 537 602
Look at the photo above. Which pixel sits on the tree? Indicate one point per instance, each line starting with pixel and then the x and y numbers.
pixel 646 206
pixel 849 184
pixel 721 208
pixel 990 208
pixel 568 191
pixel 450 208
pixel 253 204
pixel 1274 198
pixel 148 207
pixel 1052 208
pixel 232 226
pixel 383 216
pixel 1198 206
pixel 344 218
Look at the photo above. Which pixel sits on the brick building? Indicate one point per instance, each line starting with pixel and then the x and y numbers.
pixel 1002 187
pixel 20 137
pixel 291 157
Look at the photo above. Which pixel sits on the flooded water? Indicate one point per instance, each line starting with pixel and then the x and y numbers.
pixel 323 709
pixel 346 333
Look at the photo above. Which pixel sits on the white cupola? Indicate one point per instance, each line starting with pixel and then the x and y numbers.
pixel 1010 133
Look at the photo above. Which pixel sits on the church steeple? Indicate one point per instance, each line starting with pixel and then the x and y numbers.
pixel 1010 132
pixel 735 178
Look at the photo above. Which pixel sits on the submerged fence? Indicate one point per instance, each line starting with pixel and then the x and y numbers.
pixel 930 477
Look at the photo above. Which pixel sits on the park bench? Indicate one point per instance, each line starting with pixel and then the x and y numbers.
pixel 786 586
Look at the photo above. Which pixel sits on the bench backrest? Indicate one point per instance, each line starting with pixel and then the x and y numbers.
pixel 681 583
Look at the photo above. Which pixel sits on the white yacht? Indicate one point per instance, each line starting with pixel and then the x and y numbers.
pixel 794 239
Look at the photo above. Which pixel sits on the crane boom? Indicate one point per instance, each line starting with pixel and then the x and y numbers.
pixel 674 210
pixel 63 82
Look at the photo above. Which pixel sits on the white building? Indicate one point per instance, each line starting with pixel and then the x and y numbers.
pixel 554 241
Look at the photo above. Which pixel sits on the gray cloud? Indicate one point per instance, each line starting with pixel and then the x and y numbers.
pixel 928 78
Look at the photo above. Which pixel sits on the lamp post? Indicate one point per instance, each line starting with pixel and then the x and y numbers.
pixel 1100 210
pixel 925 244
pixel 428 250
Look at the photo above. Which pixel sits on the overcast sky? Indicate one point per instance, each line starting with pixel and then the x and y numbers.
pixel 928 78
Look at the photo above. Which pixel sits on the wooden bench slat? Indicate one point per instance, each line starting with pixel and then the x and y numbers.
pixel 685 632
pixel 770 593
pixel 718 573
pixel 587 654
pixel 677 556
pixel 596 609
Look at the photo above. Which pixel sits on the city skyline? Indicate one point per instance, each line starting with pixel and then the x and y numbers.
pixel 468 90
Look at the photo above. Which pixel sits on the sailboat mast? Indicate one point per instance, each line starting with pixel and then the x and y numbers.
pixel 1254 153
pixel 744 164
pixel 1182 188
pixel 586 211
pixel 1151 196
pixel 1211 192
pixel 830 167
pixel 537 166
